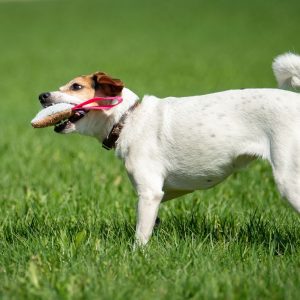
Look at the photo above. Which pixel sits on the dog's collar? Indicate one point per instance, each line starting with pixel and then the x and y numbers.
pixel 110 141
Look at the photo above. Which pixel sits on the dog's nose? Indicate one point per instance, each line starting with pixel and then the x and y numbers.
pixel 43 97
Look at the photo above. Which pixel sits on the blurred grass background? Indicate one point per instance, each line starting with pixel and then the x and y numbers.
pixel 67 208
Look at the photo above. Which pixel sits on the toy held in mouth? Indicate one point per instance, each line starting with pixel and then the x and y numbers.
pixel 53 114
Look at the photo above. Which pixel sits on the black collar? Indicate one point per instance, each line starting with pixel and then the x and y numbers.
pixel 110 141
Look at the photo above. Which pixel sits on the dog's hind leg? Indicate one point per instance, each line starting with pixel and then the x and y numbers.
pixel 289 187
pixel 285 161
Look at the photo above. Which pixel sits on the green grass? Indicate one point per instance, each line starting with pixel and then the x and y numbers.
pixel 67 209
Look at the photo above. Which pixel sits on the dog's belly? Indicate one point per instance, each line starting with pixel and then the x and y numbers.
pixel 191 183
pixel 176 186
pixel 178 183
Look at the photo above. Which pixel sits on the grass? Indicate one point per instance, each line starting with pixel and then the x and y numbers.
pixel 67 209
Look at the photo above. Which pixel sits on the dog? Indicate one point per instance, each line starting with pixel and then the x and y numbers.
pixel 174 146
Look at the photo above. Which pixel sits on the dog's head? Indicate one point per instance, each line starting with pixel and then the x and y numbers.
pixel 83 88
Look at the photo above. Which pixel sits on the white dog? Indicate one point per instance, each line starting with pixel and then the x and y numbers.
pixel 174 146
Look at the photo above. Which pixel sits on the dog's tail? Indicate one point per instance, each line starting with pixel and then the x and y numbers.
pixel 286 68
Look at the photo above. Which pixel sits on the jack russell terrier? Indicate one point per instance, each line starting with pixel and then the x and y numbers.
pixel 173 146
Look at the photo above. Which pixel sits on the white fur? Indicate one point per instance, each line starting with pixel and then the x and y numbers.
pixel 174 146
pixel 286 68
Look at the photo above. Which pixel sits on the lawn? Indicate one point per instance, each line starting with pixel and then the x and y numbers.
pixel 67 209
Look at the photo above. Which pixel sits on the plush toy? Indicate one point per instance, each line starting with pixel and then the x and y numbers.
pixel 53 114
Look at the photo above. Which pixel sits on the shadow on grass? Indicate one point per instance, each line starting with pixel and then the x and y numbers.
pixel 256 230
pixel 278 240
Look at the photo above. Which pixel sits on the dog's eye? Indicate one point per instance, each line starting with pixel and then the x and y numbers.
pixel 76 87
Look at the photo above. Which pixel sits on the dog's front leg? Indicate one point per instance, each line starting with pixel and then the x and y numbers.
pixel 147 176
pixel 147 210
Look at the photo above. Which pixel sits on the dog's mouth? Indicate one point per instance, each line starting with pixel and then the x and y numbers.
pixel 68 123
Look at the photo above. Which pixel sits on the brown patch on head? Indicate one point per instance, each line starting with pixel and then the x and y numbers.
pixel 82 87
pixel 106 85
pixel 98 84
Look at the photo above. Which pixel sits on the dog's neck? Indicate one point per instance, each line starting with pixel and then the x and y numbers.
pixel 111 140
pixel 99 123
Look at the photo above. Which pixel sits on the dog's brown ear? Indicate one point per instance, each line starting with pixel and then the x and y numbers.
pixel 108 85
